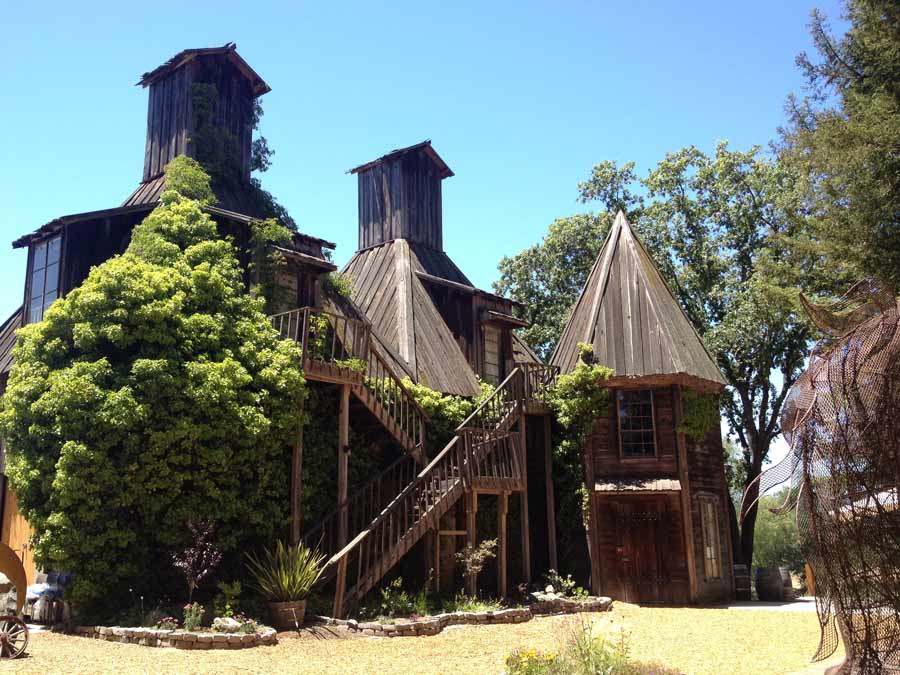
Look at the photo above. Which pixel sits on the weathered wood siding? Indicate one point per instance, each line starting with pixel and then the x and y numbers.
pixel 706 465
pixel 171 122
pixel 603 443
pixel 401 199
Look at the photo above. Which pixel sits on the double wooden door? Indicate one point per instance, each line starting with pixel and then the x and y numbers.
pixel 643 530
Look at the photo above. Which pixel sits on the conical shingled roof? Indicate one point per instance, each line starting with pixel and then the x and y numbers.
pixel 386 287
pixel 629 315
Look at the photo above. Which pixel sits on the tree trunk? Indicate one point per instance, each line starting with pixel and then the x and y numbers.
pixel 748 517
pixel 735 533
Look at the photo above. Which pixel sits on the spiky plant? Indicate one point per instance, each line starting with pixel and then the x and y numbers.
pixel 287 573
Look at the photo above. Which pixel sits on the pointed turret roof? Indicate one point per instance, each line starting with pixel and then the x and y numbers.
pixel 388 288
pixel 632 319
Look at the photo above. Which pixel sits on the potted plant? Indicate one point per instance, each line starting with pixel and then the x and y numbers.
pixel 285 576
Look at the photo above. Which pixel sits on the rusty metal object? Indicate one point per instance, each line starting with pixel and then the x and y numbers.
pixel 13 637
pixel 842 421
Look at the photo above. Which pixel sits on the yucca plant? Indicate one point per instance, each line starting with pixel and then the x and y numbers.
pixel 287 573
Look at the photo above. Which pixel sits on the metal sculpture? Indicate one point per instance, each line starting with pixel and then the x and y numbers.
pixel 842 421
pixel 13 631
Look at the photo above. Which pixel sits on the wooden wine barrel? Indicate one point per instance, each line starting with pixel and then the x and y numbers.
pixel 787 583
pixel 742 582
pixel 769 585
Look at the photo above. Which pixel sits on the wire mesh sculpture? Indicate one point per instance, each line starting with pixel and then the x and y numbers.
pixel 841 419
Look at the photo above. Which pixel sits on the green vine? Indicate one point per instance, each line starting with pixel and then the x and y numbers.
pixel 339 284
pixel 266 263
pixel 578 400
pixel 217 150
pixel 699 414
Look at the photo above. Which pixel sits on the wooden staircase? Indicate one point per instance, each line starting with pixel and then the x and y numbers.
pixel 339 349
pixel 484 454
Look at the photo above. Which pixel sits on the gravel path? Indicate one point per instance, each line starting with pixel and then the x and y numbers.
pixel 698 641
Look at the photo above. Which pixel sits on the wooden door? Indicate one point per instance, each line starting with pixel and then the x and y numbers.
pixel 641 549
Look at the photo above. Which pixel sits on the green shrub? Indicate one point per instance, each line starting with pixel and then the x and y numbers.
pixel 565 585
pixel 227 601
pixel 287 573
pixel 155 393
pixel 193 615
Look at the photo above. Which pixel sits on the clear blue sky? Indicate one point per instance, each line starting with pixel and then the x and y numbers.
pixel 521 99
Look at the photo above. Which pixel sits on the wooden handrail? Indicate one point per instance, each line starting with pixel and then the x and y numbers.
pixel 362 507
pixel 343 339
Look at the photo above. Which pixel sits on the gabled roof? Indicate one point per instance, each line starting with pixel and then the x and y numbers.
pixel 632 319
pixel 229 50
pixel 388 290
pixel 394 155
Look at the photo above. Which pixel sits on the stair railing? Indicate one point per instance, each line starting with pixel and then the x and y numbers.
pixel 396 398
pixel 538 378
pixel 324 336
pixel 374 550
pixel 334 339
pixel 499 406
pixel 362 507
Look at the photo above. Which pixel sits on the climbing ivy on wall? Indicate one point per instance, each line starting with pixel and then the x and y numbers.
pixel 578 400
pixel 215 147
pixel 699 414
pixel 445 411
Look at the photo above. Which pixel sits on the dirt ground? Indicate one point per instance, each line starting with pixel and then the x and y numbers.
pixel 699 641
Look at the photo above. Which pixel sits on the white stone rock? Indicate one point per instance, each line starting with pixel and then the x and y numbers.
pixel 226 624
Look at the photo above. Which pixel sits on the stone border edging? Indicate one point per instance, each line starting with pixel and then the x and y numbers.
pixel 542 604
pixel 179 639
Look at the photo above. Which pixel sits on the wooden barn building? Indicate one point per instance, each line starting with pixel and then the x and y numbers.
pixel 659 529
pixel 658 526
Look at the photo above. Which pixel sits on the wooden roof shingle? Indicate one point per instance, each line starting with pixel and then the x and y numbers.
pixel 632 319
pixel 388 290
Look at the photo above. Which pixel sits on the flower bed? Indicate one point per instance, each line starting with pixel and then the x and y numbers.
pixel 542 603
pixel 179 639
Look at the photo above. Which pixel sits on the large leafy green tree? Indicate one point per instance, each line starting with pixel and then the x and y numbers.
pixel 843 144
pixel 717 227
pixel 153 395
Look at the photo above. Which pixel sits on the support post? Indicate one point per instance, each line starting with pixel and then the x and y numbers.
pixel 343 463
pixel 437 559
pixel 526 538
pixel 340 585
pixel 502 508
pixel 687 516
pixel 551 497
pixel 471 535
pixel 526 533
pixel 296 483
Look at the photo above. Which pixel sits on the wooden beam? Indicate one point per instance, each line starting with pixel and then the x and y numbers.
pixel 296 484
pixel 502 508
pixel 526 538
pixel 523 500
pixel 343 462
pixel 551 497
pixel 687 516
pixel 437 562
pixel 471 535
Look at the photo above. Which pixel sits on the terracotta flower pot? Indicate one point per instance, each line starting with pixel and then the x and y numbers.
pixel 287 615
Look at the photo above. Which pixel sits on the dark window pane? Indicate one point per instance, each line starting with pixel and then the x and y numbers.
pixel 49 298
pixel 636 423
pixel 52 283
pixel 35 311
pixel 40 256
pixel 53 248
pixel 37 284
